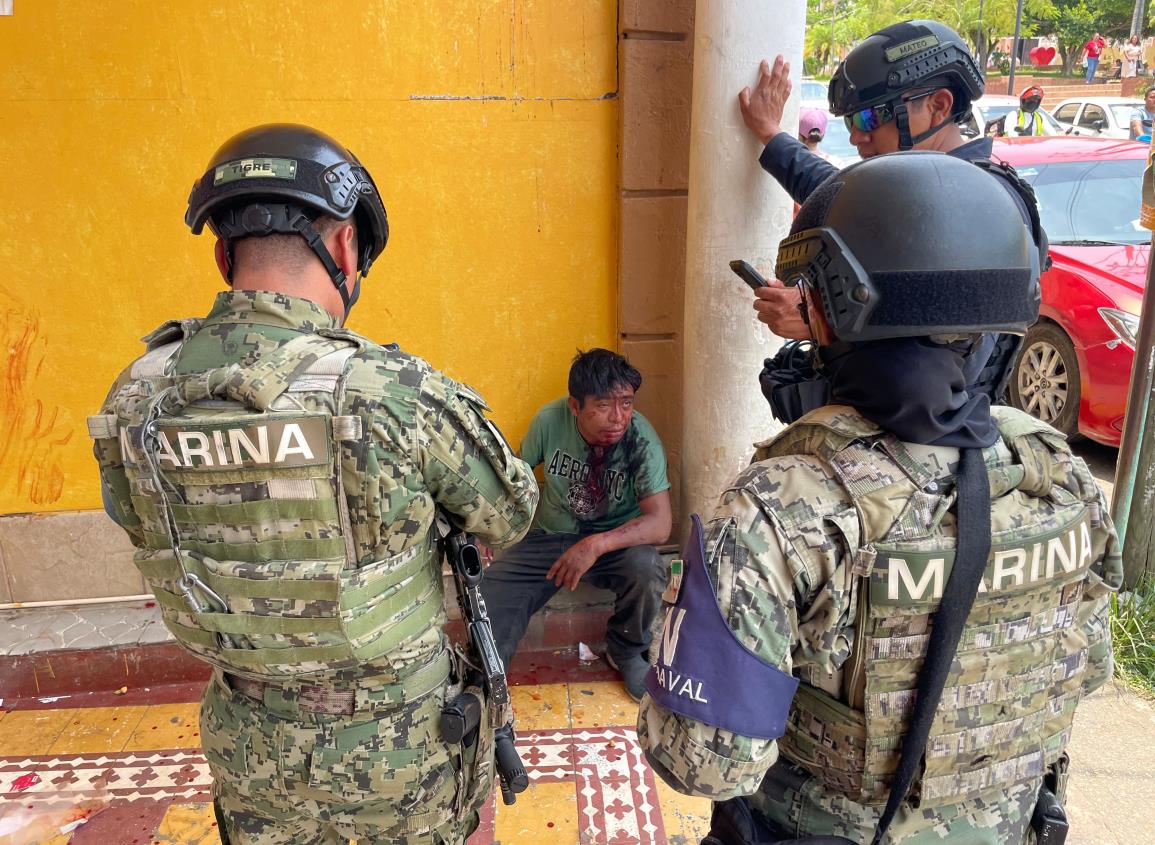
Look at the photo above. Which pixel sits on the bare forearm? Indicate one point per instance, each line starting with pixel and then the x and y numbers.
pixel 648 529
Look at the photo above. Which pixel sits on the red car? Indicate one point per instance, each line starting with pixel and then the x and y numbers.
pixel 1076 361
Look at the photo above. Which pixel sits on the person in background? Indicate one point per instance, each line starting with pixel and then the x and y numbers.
pixel 1094 49
pixel 1025 120
pixel 812 129
pixel 1141 118
pixel 1132 53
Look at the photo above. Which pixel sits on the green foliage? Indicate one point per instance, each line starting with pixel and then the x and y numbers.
pixel 1133 635
pixel 833 26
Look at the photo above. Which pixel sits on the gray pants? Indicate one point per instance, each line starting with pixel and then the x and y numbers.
pixel 515 588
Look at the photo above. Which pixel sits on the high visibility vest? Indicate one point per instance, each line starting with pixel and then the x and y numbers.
pixel 1031 121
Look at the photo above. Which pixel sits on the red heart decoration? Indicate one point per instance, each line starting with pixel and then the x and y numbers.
pixel 1042 56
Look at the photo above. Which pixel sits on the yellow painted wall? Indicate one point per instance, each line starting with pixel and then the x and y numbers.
pixel 489 125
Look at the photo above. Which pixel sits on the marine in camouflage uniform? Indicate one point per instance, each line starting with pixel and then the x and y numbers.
pixel 826 560
pixel 311 522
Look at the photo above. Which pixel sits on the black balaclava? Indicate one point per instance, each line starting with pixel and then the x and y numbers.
pixel 912 387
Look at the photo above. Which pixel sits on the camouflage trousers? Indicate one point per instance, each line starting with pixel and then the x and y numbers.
pixel 795 803
pixel 301 778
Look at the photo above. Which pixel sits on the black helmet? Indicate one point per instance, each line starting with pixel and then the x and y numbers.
pixel 880 243
pixel 280 177
pixel 901 58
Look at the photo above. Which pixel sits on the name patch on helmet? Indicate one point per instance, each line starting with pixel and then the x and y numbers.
pixel 255 168
pixel 283 443
pixel 906 48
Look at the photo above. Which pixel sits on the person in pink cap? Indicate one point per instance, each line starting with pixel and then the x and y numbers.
pixel 812 129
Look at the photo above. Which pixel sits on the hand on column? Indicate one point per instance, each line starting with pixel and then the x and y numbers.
pixel 762 108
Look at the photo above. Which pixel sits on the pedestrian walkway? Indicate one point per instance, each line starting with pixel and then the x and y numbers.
pixel 104 775
pixel 91 754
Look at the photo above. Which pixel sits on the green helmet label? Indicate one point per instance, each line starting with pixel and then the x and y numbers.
pixel 906 48
pixel 255 168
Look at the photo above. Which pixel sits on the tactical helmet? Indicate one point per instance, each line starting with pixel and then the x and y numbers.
pixel 901 58
pixel 278 178
pixel 880 244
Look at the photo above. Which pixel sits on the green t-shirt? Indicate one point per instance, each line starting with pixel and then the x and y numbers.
pixel 580 494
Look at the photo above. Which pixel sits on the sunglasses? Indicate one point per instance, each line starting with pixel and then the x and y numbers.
pixel 869 119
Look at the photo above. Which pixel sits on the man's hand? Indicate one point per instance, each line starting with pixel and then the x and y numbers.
pixel 779 307
pixel 568 569
pixel 762 108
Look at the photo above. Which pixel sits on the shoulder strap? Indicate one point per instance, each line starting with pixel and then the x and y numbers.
pixel 974 547
pixel 256 386
pixel 1002 170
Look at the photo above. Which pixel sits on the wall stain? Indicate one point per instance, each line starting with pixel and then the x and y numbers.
pixel 31 431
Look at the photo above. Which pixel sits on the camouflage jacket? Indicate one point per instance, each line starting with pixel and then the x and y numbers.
pixel 431 444
pixel 781 591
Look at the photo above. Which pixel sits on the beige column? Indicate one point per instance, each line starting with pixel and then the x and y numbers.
pixel 654 57
pixel 735 210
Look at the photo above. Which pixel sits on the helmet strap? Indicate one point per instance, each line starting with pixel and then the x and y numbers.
pixel 902 118
pixel 304 228
pixel 229 262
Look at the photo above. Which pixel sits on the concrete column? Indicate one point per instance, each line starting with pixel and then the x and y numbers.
pixel 735 211
pixel 654 59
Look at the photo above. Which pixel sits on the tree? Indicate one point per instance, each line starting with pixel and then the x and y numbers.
pixel 997 19
pixel 842 23
pixel 1073 22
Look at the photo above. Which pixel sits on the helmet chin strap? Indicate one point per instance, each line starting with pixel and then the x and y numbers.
pixel 902 119
pixel 304 228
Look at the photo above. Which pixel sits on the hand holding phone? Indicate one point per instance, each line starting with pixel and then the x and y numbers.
pixel 748 274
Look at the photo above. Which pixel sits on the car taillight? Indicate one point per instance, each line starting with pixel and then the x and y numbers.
pixel 1124 325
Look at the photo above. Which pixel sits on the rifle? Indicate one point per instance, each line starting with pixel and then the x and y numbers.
pixel 461 717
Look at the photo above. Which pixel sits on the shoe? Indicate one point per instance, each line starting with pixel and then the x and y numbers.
pixel 633 671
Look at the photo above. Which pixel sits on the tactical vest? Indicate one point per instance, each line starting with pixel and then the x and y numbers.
pixel 1008 705
pixel 241 479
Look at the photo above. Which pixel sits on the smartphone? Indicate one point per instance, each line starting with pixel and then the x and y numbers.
pixel 748 274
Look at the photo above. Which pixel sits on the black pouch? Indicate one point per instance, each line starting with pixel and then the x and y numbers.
pixel 790 383
pixel 733 822
pixel 1049 821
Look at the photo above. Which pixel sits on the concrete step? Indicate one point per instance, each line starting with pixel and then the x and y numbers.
pixel 124 649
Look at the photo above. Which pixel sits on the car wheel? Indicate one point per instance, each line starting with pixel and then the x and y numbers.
pixel 1045 381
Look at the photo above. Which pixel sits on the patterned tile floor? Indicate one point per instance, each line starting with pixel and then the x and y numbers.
pixel 134 775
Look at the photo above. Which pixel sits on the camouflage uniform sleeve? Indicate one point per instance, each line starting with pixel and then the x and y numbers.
pixel 469 468
pixel 114 487
pixel 1103 581
pixel 756 595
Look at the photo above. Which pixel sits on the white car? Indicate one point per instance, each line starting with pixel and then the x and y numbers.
pixel 813 91
pixel 1107 117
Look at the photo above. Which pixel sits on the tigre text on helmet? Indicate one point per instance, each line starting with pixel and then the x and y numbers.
pixel 278 179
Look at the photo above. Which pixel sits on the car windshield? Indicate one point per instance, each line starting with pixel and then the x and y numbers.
pixel 1122 112
pixel 813 90
pixel 992 113
pixel 836 142
pixel 1089 200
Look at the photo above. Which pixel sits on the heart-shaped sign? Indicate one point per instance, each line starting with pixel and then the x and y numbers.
pixel 1042 56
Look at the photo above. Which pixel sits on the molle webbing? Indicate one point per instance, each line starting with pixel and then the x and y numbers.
pixel 1016 679
pixel 251 462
